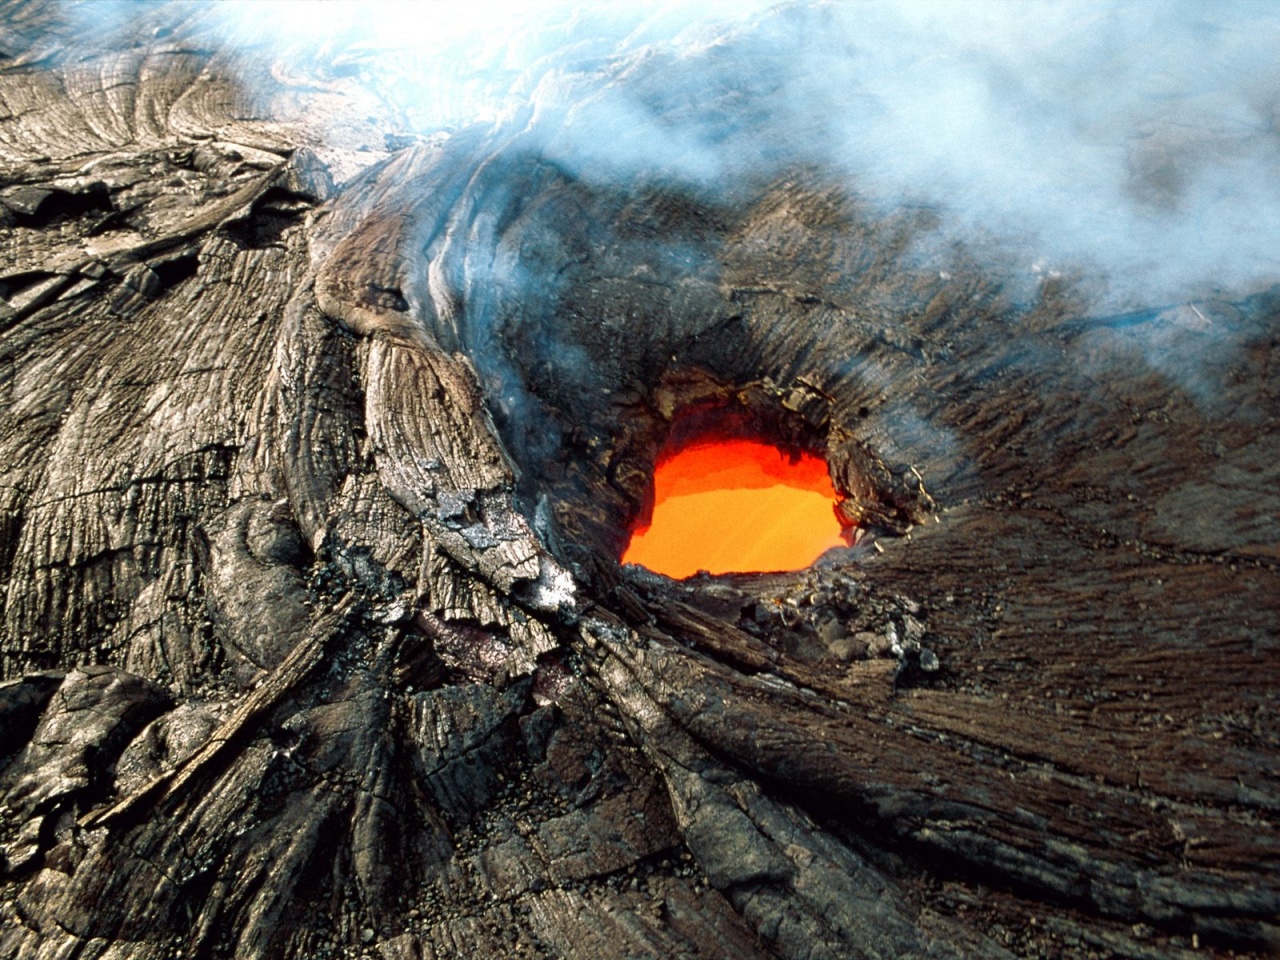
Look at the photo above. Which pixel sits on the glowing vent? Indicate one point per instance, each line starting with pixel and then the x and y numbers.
pixel 737 506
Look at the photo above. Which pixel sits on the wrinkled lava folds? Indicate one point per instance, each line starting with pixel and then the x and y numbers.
pixel 737 506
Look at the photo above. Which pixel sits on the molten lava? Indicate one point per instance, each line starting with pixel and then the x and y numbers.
pixel 736 506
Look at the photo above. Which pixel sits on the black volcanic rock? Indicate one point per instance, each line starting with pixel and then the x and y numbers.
pixel 315 642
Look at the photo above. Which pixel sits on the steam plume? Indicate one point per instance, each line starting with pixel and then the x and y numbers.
pixel 1136 141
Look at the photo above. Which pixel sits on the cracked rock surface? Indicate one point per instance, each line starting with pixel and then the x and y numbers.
pixel 313 638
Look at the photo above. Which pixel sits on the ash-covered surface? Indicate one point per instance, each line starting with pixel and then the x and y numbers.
pixel 315 642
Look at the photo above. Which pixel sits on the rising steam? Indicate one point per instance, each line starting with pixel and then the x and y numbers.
pixel 1136 142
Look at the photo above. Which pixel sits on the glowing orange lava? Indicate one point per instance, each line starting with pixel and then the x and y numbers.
pixel 736 506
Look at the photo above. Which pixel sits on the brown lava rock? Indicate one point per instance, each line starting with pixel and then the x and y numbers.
pixel 314 638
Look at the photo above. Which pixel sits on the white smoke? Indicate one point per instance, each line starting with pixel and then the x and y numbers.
pixel 1138 141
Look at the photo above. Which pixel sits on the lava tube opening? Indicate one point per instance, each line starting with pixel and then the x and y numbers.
pixel 737 506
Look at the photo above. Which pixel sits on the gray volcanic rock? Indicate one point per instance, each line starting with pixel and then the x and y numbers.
pixel 320 439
